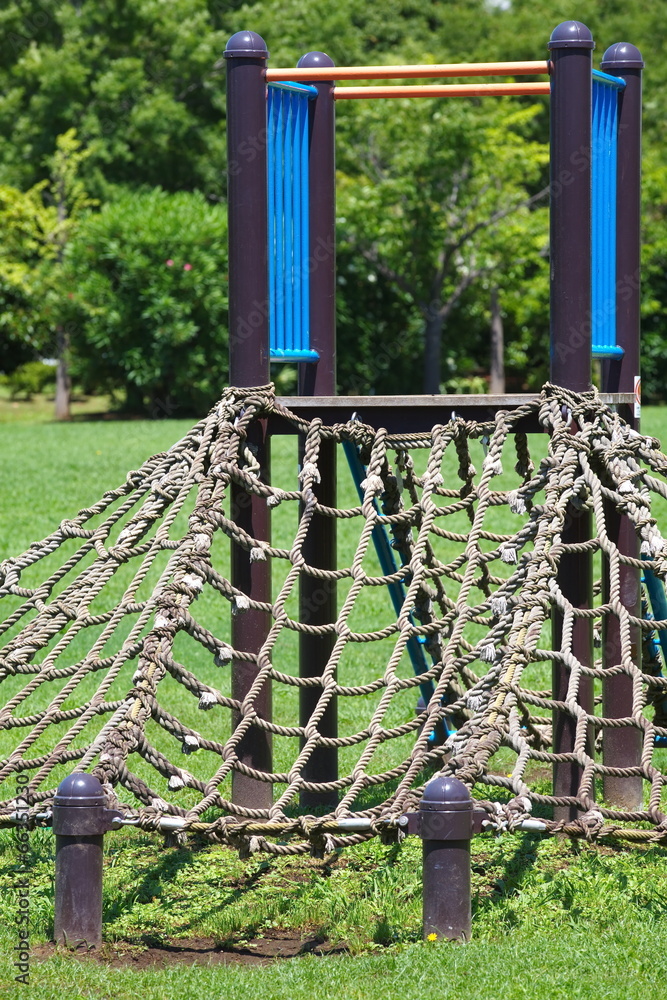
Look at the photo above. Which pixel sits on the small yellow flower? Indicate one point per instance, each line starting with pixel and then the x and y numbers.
pixel 432 937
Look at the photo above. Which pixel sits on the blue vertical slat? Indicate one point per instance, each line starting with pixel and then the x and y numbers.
pixel 279 341
pixel 296 228
pixel 288 202
pixel 304 272
pixel 288 222
pixel 603 207
pixel 271 169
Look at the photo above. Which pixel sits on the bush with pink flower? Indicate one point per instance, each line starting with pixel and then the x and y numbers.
pixel 150 301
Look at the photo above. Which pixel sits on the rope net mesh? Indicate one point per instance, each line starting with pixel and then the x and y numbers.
pixel 116 655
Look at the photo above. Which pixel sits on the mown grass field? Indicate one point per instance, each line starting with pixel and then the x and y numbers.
pixel 551 918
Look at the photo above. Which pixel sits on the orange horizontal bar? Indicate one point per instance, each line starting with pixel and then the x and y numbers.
pixel 465 90
pixel 410 72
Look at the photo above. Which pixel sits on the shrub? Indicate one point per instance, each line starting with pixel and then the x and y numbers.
pixel 30 378
pixel 146 282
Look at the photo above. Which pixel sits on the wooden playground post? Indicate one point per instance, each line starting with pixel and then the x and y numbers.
pixel 622 747
pixel 246 56
pixel 571 48
pixel 318 597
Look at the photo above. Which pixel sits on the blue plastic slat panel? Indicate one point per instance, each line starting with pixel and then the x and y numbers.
pixel 293 355
pixel 303 274
pixel 289 308
pixel 603 209
pixel 288 224
pixel 616 82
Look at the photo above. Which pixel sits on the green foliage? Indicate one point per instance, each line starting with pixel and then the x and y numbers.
pixel 139 80
pixel 437 197
pixel 26 226
pixel 143 85
pixel 146 283
pixel 30 378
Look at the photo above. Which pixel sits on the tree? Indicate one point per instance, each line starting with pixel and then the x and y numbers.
pixel 71 203
pixel 26 227
pixel 440 195
pixel 141 82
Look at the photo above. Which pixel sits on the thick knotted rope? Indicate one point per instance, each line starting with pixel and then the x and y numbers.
pixel 116 657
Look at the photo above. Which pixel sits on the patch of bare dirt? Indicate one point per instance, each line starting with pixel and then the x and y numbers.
pixel 275 945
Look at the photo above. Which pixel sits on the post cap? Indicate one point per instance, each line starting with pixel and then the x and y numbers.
pixel 445 793
pixel 622 55
pixel 571 35
pixel 315 60
pixel 80 789
pixel 246 44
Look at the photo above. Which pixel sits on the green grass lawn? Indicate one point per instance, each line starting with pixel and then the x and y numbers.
pixel 551 919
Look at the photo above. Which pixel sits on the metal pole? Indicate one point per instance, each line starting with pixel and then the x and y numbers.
pixel 620 375
pixel 319 379
pixel 446 825
pixel 318 597
pixel 80 821
pixel 622 747
pixel 246 56
pixel 571 48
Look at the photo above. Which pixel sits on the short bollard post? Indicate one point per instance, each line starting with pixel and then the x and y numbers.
pixel 80 820
pixel 445 824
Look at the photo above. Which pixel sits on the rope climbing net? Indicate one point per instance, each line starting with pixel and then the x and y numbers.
pixel 116 647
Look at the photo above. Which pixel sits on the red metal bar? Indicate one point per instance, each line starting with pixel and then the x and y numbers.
pixel 446 90
pixel 532 68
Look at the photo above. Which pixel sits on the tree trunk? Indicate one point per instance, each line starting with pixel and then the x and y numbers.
pixel 497 382
pixel 63 381
pixel 432 353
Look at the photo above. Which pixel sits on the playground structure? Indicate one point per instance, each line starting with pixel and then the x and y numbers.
pixel 468 600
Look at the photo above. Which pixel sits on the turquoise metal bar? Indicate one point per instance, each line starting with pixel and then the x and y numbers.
pixel 397 591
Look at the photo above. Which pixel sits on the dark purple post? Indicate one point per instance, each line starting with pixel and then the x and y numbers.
pixel 80 820
pixel 246 57
pixel 571 48
pixel 320 379
pixel 317 597
pixel 622 747
pixel 446 826
pixel 623 59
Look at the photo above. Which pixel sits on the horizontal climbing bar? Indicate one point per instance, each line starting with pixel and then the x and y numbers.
pixel 533 68
pixel 346 824
pixel 447 90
